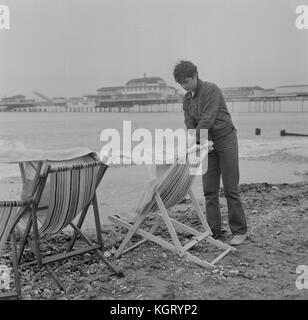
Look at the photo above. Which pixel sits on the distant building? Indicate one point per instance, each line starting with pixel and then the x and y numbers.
pixel 292 89
pixel 16 98
pixel 153 87
pixel 107 93
pixel 266 92
pixel 16 102
pixel 234 92
pixel 146 88
pixel 81 103
pixel 59 101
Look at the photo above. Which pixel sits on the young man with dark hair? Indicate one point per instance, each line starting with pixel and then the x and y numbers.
pixel 205 108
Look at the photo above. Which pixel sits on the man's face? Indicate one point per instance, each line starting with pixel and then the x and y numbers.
pixel 189 84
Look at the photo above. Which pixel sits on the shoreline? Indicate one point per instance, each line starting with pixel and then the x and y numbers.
pixel 122 185
pixel 264 267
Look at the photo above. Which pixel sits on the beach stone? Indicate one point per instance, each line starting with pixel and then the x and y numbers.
pixel 47 293
pixel 69 289
pixel 244 264
pixel 248 275
pixel 88 287
pixel 113 250
pixel 91 294
pixel 86 257
pixel 234 273
pixel 107 254
pixel 27 288
pixel 215 271
pixel 37 292
pixel 178 271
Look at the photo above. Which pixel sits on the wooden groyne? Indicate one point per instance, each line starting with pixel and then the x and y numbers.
pixel 283 133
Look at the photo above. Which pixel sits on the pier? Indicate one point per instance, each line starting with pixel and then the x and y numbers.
pixel 268 103
pixel 252 103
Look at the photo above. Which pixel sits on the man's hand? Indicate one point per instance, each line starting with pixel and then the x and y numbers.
pixel 191 141
pixel 210 147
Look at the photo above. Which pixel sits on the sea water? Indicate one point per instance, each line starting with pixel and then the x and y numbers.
pixel 48 131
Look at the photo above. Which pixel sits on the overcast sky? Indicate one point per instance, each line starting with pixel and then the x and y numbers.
pixel 73 47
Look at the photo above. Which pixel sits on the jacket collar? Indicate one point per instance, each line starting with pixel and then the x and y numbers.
pixel 191 95
pixel 199 84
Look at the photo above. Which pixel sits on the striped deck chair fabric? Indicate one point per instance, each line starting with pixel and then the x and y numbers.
pixel 71 189
pixel 10 213
pixel 172 185
pixel 163 193
pixel 29 169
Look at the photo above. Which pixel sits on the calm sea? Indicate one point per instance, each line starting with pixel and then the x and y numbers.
pixel 68 130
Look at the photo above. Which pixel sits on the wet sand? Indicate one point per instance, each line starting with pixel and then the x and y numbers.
pixel 264 267
pixel 122 186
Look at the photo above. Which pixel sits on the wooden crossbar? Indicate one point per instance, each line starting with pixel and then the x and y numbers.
pixel 172 224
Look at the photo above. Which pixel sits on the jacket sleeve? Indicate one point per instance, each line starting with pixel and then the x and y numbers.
pixel 190 122
pixel 209 105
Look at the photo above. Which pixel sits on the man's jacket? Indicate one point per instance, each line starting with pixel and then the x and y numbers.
pixel 207 109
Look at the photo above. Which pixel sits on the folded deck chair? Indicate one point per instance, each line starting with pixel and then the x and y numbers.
pixel 10 213
pixel 72 190
pixel 160 194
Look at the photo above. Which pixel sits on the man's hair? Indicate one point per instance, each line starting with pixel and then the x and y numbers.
pixel 184 69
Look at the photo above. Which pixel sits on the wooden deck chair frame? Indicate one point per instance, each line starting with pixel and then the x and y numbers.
pixel 10 214
pixel 43 171
pixel 171 225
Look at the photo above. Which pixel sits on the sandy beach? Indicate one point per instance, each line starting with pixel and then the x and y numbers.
pixel 123 82
pixel 263 268
pixel 121 186
pixel 273 188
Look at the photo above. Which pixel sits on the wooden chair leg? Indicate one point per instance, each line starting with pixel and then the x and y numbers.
pixel 169 224
pixel 199 212
pixel 151 231
pixel 54 277
pixel 130 233
pixel 79 224
pixel 24 239
pixel 15 264
pixel 36 238
pixel 97 221
pixel 99 253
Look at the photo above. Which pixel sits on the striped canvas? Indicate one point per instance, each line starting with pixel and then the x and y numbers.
pixel 71 190
pixel 9 211
pixel 173 186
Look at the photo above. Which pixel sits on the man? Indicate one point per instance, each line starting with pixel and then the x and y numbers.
pixel 205 108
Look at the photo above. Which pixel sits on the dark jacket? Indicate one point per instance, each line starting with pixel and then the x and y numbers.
pixel 207 109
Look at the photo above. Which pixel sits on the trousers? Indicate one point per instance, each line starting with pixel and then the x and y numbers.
pixel 223 162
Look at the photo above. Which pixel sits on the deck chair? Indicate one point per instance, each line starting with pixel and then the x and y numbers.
pixel 10 214
pixel 168 186
pixel 72 190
